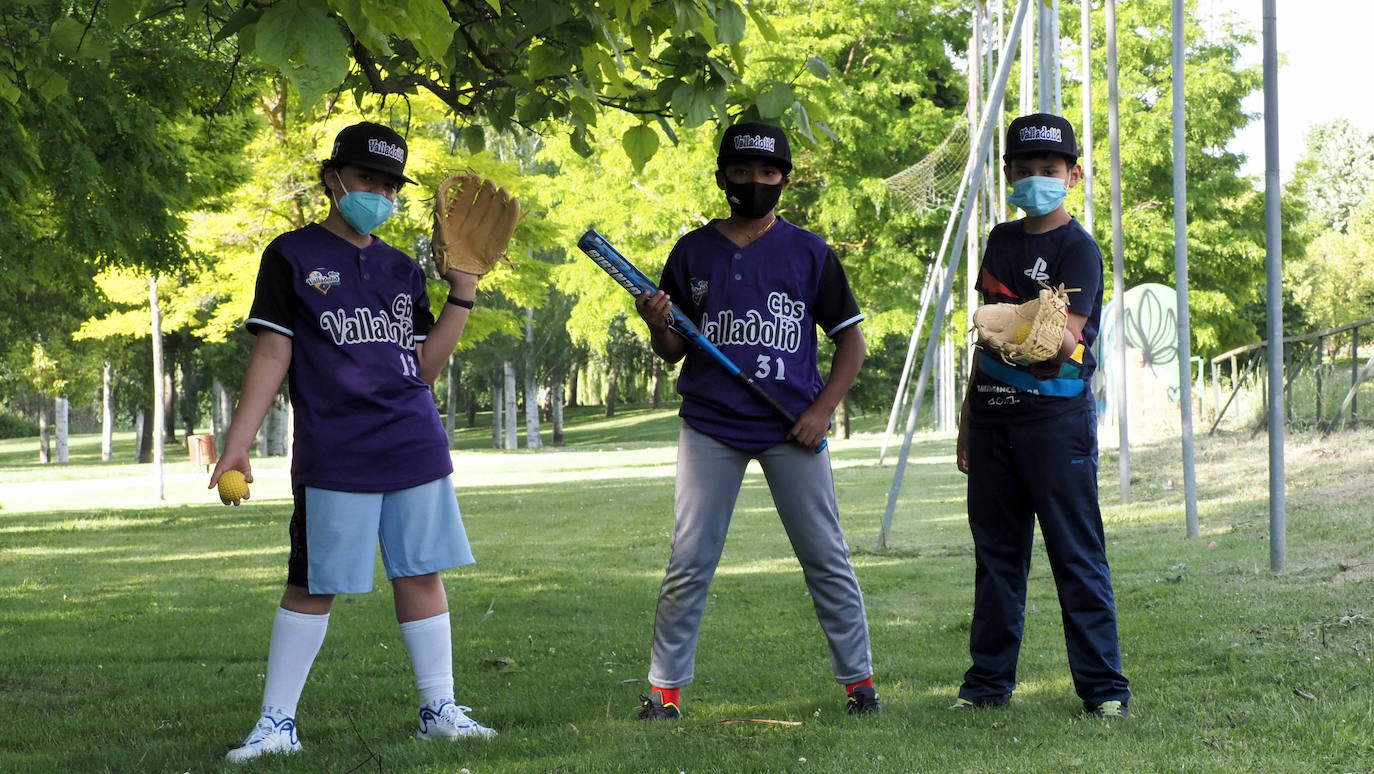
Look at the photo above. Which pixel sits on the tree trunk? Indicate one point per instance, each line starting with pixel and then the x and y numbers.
pixel 169 403
pixel 143 444
pixel 226 412
pixel 288 421
pixel 511 397
pixel 107 414
pixel 532 440
pixel 186 402
pixel 611 380
pixel 217 426
pixel 159 425
pixel 44 444
pixel 572 386
pixel 655 398
pixel 496 404
pixel 451 399
pixel 60 412
pixel 556 407
pixel 471 399
pixel 842 415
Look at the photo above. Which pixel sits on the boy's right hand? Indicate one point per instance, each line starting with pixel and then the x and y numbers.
pixel 232 460
pixel 656 309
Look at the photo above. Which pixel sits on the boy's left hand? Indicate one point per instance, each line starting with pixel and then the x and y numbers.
pixel 811 427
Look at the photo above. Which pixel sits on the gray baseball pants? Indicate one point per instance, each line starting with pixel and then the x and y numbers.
pixel 709 475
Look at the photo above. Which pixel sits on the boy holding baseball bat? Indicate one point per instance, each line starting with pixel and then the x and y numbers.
pixel 1028 430
pixel 757 287
pixel 347 318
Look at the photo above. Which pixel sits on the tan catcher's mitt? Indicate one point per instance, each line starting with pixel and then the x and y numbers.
pixel 1032 332
pixel 473 224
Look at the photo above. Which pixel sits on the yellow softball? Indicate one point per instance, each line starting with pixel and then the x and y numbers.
pixel 1022 331
pixel 232 487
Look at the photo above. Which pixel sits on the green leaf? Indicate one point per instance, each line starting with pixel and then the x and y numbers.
pixel 642 39
pixel 818 67
pixel 321 60
pixel 434 25
pixel 276 41
pixel 241 18
pixel 667 130
pixel 583 108
pixel 693 103
pixel 362 28
pixel 123 12
pixel 495 6
pixel 69 37
pixel 48 83
pixel 640 144
pixel 474 138
pixel 766 28
pixel 9 92
pixel 775 100
pixel 545 60
pixel 730 24
pixel 803 123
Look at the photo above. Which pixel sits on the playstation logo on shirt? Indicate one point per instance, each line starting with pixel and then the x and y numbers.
pixel 1037 272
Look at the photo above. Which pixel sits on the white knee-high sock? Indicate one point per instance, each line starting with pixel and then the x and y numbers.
pixel 430 642
pixel 296 640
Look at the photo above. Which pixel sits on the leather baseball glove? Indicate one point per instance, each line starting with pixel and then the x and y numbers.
pixel 1032 332
pixel 473 223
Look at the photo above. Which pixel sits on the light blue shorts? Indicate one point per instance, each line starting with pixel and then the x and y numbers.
pixel 334 536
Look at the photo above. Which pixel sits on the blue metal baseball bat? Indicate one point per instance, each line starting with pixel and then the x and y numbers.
pixel 604 254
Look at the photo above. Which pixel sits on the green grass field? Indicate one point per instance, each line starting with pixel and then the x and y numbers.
pixel 135 634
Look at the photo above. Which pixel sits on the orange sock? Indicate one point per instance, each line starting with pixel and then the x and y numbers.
pixel 868 681
pixel 669 695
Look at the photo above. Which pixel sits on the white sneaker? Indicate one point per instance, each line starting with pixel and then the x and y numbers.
pixel 450 721
pixel 271 736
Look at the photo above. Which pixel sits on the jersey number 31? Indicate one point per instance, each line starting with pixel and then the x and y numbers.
pixel 766 368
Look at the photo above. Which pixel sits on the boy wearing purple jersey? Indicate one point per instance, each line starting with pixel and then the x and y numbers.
pixel 757 287
pixel 346 318
pixel 1028 440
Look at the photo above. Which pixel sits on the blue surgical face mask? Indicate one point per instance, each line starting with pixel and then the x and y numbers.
pixel 363 210
pixel 1038 195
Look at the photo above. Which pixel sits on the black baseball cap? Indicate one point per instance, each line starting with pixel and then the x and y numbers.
pixel 756 140
pixel 1040 133
pixel 373 146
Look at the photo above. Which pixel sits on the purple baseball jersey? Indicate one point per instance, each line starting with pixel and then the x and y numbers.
pixel 364 419
pixel 760 304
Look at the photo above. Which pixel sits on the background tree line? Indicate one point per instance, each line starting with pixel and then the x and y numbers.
pixel 174 141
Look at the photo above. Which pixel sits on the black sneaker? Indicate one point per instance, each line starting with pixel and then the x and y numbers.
pixel 863 701
pixel 654 708
pixel 986 702
pixel 1108 710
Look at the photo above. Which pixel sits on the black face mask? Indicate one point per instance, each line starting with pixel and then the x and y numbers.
pixel 752 200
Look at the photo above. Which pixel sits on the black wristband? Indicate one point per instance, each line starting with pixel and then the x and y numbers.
pixel 465 303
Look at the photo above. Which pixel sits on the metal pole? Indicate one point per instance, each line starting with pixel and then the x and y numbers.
pixel 971 227
pixel 1000 204
pixel 1087 127
pixel 1027 30
pixel 974 170
pixel 1273 243
pixel 1118 258
pixel 1047 88
pixel 926 291
pixel 1185 352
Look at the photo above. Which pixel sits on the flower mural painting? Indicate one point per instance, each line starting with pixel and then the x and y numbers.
pixel 1151 327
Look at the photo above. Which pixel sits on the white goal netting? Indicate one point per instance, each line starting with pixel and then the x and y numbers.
pixel 933 181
